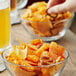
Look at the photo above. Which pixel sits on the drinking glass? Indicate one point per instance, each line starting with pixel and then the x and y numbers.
pixel 15 5
pixel 4 28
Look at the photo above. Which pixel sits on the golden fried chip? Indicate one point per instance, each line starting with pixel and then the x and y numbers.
pixel 59 17
pixel 36 42
pixel 44 47
pixel 67 15
pixel 33 58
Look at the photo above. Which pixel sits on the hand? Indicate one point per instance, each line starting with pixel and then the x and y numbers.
pixel 55 6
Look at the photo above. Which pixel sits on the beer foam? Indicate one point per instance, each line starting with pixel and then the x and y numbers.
pixel 4 4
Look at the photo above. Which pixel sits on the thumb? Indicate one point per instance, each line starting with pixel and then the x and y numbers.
pixel 58 8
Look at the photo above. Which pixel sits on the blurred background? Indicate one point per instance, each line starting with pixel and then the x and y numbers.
pixel 73 26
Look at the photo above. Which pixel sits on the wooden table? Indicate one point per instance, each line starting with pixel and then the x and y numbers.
pixel 68 41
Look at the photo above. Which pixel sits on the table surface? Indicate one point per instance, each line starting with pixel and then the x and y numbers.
pixel 68 41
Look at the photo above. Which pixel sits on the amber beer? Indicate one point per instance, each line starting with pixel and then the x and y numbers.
pixel 13 4
pixel 4 25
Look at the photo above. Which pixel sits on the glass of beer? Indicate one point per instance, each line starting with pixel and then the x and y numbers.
pixel 4 27
pixel 15 5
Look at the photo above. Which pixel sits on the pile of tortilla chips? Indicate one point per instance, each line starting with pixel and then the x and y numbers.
pixel 42 23
pixel 37 54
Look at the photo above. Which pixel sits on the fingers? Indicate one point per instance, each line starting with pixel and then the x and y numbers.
pixel 58 8
pixel 49 4
pixel 54 2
